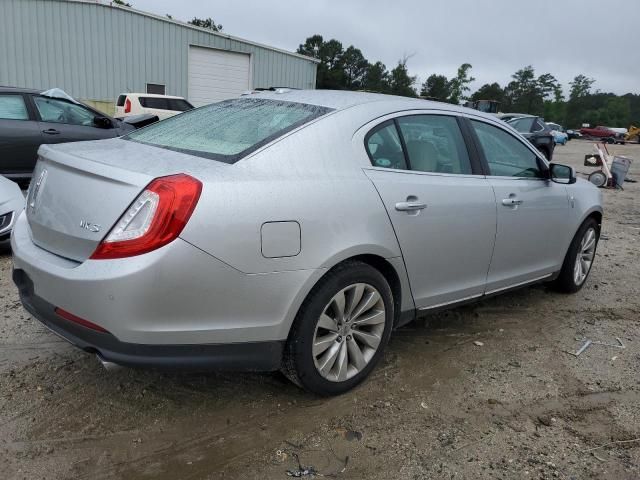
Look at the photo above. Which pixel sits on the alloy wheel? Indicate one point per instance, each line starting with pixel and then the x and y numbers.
pixel 584 257
pixel 349 332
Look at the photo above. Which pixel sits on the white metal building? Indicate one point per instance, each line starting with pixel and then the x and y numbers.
pixel 95 50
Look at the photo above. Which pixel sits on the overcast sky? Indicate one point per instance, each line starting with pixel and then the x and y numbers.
pixel 498 37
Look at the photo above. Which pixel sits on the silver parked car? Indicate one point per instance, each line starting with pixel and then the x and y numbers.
pixel 11 205
pixel 292 230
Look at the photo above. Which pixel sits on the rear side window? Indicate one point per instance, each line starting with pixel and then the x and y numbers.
pixel 506 155
pixel 385 147
pixel 435 144
pixel 229 130
pixel 12 107
pixel 120 102
pixel 523 125
pixel 161 103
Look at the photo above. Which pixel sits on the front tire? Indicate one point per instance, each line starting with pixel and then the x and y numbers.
pixel 579 258
pixel 340 331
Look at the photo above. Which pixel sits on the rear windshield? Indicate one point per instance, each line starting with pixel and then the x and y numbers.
pixel 229 130
pixel 160 103
pixel 120 102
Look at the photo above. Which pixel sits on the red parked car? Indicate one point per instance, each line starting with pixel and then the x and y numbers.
pixel 604 133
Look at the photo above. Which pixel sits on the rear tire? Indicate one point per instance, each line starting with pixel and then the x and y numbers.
pixel 579 258
pixel 351 309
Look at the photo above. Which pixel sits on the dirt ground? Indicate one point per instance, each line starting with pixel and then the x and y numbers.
pixel 439 406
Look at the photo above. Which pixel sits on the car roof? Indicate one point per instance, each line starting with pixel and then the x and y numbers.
pixel 341 100
pixel 7 89
pixel 150 95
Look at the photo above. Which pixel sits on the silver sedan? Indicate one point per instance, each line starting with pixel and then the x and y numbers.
pixel 292 230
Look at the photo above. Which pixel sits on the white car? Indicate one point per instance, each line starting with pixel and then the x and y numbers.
pixel 11 205
pixel 164 106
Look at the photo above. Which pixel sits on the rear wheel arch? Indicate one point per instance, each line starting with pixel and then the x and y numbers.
pixel 597 216
pixel 382 265
pixel 390 274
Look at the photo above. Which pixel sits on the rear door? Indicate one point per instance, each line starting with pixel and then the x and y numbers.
pixel 442 208
pixel 532 210
pixel 63 121
pixel 19 135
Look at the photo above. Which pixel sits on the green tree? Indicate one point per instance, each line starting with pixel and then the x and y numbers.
pixel 376 78
pixel 355 67
pixel 460 84
pixel 437 87
pixel 400 82
pixel 330 70
pixel 582 106
pixel 121 3
pixel 523 94
pixel 206 23
pixel 580 86
pixel 489 91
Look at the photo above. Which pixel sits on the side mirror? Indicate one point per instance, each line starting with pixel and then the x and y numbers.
pixel 562 173
pixel 102 122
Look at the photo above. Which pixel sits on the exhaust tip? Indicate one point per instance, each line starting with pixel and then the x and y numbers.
pixel 109 366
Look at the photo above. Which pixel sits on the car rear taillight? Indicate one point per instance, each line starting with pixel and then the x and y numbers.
pixel 154 219
pixel 80 321
pixel 127 106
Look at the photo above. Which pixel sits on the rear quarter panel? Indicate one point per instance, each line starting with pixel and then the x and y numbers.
pixel 585 199
pixel 310 177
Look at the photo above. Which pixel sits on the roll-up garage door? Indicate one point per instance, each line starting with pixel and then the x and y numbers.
pixel 216 75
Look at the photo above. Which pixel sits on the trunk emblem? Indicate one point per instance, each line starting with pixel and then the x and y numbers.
pixel 92 227
pixel 37 189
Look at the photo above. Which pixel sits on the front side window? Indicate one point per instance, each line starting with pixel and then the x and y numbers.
pixel 12 107
pixel 434 144
pixel 506 155
pixel 62 111
pixel 385 148
pixel 229 130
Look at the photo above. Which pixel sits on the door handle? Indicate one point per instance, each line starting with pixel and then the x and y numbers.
pixel 511 202
pixel 410 206
pixel 51 131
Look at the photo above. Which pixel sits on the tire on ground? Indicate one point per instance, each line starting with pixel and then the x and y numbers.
pixel 298 362
pixel 565 282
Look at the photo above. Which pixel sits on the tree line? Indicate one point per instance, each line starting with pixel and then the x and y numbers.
pixel 347 69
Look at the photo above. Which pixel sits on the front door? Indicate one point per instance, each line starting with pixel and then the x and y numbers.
pixel 443 213
pixel 532 211
pixel 63 121
pixel 19 136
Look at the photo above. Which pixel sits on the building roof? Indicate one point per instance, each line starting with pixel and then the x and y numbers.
pixel 109 4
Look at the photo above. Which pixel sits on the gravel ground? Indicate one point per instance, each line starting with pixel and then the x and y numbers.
pixel 439 406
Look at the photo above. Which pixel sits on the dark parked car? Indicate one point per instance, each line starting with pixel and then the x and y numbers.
pixel 29 119
pixel 537 132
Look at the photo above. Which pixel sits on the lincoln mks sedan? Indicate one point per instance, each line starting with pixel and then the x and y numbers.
pixel 292 231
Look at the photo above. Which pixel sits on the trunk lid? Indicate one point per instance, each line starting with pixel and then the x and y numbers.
pixel 80 190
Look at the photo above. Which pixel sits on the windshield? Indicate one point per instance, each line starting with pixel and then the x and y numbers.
pixel 229 130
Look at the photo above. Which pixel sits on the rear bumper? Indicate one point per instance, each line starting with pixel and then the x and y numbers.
pixel 176 295
pixel 256 356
